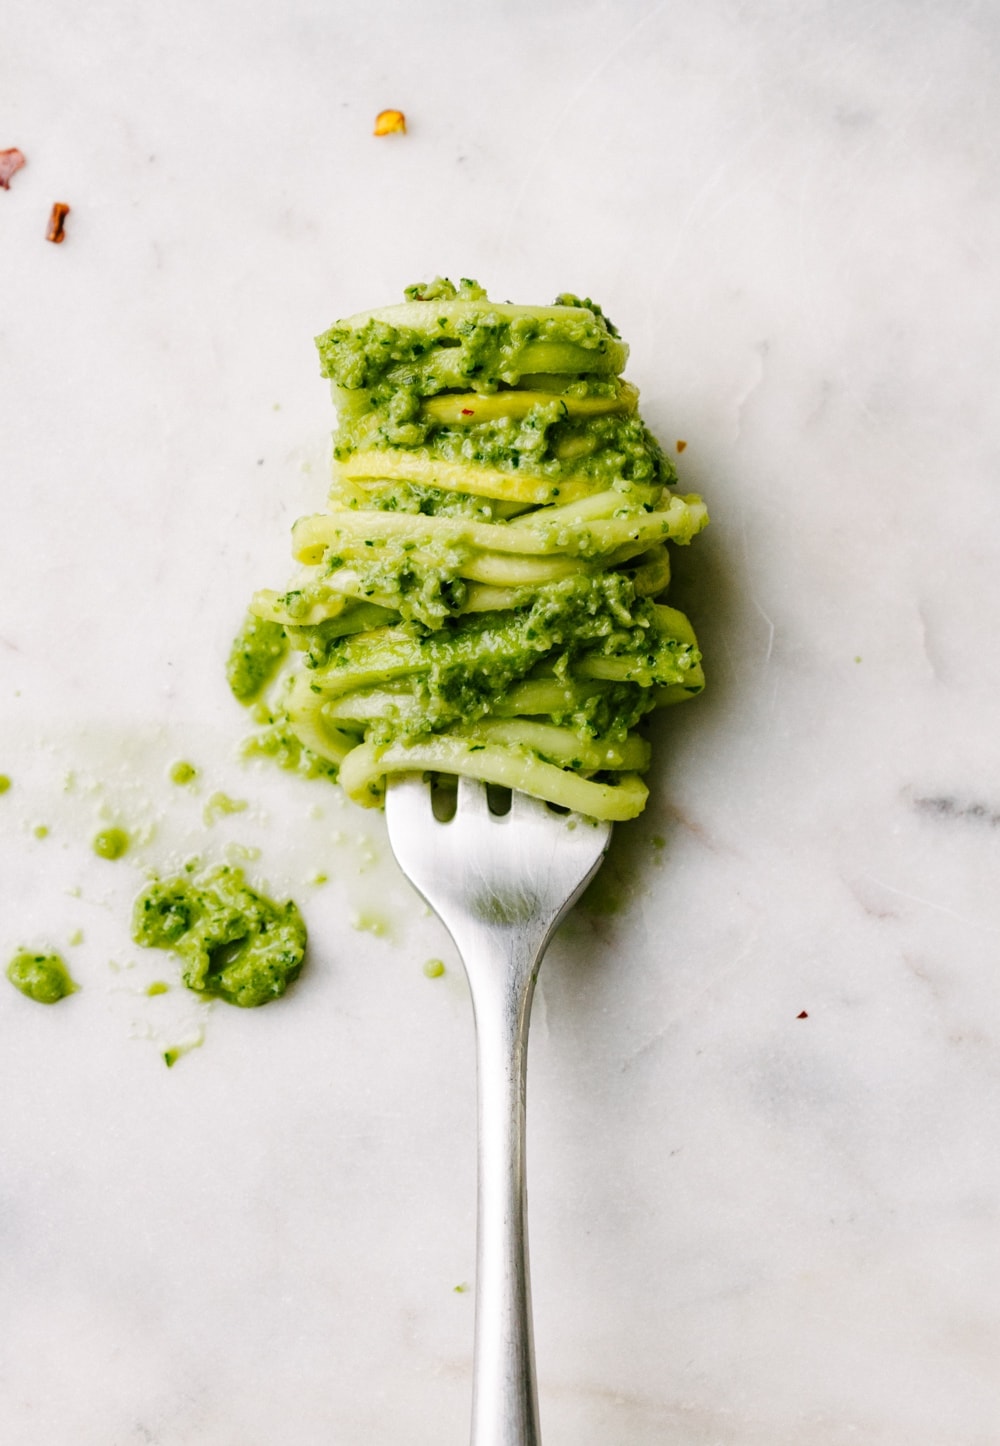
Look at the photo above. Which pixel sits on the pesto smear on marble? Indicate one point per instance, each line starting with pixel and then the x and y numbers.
pixel 256 653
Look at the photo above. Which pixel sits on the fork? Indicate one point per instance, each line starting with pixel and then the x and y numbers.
pixel 500 883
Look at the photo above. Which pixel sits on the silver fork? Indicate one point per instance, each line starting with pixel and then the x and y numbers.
pixel 500 883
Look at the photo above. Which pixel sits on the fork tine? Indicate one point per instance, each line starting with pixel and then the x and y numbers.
pixel 472 800
pixel 526 806
pixel 408 799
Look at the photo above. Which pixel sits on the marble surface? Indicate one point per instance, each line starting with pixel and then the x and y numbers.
pixel 764 1078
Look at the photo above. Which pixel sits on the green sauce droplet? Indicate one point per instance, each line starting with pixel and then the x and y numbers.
pixel 157 987
pixel 434 968
pixel 41 830
pixel 182 773
pixel 111 843
pixel 42 977
pixel 4 783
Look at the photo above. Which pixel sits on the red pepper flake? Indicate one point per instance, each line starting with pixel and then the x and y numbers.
pixel 57 223
pixel 10 161
pixel 681 446
pixel 389 122
pixel 803 1015
pixel 468 412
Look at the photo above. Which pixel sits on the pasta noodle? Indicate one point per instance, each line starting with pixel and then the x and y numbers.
pixel 480 596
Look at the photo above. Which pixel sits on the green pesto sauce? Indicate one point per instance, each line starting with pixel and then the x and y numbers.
pixel 434 968
pixel 182 773
pixel 464 669
pixel 4 783
pixel 41 830
pixel 615 450
pixel 255 656
pixel 158 986
pixel 42 977
pixel 277 742
pixel 234 942
pixel 444 290
pixel 111 843
pixel 429 348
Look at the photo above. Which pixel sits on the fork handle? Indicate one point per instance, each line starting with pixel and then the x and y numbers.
pixel 504 1392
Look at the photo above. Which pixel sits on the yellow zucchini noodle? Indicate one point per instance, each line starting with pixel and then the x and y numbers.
pixel 481 595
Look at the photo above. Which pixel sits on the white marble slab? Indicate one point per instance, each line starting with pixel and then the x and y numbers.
pixel 748 1228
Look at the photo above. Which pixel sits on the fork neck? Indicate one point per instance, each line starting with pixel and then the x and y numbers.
pixel 502 967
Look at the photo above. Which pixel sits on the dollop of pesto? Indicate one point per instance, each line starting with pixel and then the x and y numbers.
pixel 4 783
pixel 42 977
pixel 255 656
pixel 234 942
pixel 183 773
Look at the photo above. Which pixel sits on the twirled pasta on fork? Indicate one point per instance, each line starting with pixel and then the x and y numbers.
pixel 481 595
